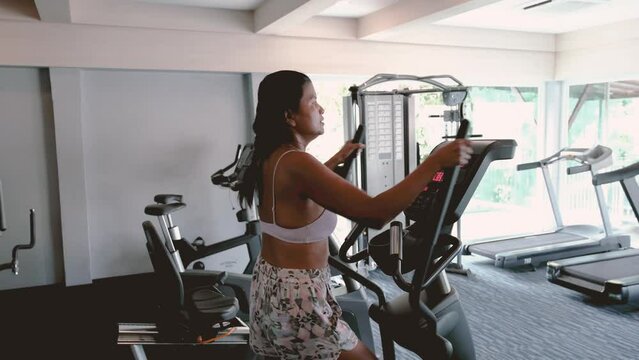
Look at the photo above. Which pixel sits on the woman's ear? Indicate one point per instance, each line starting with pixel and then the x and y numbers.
pixel 289 118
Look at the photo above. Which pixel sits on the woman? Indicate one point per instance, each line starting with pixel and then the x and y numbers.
pixel 293 314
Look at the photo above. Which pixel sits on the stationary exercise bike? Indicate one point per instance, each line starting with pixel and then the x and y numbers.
pixel 191 253
pixel 192 300
pixel 14 264
pixel 187 253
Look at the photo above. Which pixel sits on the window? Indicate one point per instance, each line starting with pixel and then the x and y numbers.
pixel 506 198
pixel 606 114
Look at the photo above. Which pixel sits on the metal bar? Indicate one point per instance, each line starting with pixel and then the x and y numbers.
pixel 552 196
pixel 138 352
pixel 580 103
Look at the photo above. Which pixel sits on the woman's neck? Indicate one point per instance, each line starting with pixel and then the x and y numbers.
pixel 295 146
pixel 300 141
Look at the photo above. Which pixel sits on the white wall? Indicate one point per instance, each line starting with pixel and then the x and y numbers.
pixel 29 177
pixel 90 46
pixel 118 138
pixel 157 132
pixel 600 54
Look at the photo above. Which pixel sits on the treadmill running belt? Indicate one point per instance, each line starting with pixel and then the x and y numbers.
pixel 495 247
pixel 601 271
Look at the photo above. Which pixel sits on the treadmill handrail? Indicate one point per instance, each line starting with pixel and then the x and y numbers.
pixel 562 154
pixel 595 158
pixel 616 175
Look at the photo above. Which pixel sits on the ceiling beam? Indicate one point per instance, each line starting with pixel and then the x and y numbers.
pixel 276 16
pixel 403 14
pixel 142 14
pixel 625 85
pixel 58 11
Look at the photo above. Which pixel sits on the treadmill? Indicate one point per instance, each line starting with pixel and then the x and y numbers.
pixel 565 241
pixel 612 275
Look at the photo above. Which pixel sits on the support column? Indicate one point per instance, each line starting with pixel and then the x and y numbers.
pixel 66 90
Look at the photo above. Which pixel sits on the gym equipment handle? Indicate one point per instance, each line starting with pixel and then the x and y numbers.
pixel 3 222
pixel 528 166
pixel 396 253
pixel 13 265
pixel 344 168
pixel 349 242
pixel 432 234
pixel 616 175
pixel 218 178
pixel 578 169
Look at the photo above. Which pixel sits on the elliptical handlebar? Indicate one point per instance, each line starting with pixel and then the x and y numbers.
pixel 356 231
pixel 349 242
pixel 344 168
pixel 396 254
pixel 433 228
pixel 218 177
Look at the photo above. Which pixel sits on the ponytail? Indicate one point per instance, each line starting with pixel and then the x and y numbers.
pixel 280 92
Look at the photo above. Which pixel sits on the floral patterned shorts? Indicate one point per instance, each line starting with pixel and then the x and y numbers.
pixel 293 314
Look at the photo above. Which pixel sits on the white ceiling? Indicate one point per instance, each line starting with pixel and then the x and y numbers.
pixel 556 16
pixel 407 21
pixel 220 4
pixel 342 8
pixel 559 16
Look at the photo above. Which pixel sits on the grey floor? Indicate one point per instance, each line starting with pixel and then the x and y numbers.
pixel 518 314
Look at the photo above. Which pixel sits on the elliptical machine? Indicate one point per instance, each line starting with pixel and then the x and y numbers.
pixel 428 318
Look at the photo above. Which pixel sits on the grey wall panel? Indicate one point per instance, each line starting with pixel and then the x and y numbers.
pixel 29 176
pixel 157 132
pixel 67 99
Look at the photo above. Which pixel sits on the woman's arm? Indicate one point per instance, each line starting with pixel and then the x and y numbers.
pixel 342 154
pixel 326 188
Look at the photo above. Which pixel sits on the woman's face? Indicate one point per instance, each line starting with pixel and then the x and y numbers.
pixel 308 120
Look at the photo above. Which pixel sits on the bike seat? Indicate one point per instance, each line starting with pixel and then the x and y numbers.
pixel 167 198
pixel 163 209
pixel 212 306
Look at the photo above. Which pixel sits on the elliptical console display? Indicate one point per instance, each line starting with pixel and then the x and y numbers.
pixel 484 152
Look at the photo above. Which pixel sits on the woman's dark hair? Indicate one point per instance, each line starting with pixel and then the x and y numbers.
pixel 278 94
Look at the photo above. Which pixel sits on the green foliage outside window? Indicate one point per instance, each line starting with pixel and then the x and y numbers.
pixel 495 113
pixel 606 114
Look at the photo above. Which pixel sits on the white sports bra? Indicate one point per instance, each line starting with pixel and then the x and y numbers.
pixel 320 229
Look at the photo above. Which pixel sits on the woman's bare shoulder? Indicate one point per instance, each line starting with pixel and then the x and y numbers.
pixel 300 159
